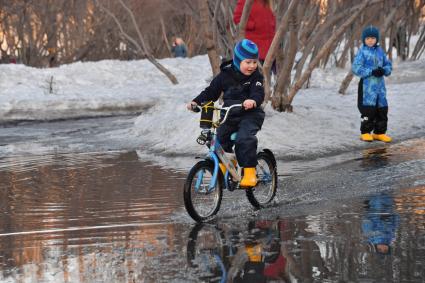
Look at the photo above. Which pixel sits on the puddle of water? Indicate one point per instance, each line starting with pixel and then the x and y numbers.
pixel 84 190
pixel 110 217
pixel 380 238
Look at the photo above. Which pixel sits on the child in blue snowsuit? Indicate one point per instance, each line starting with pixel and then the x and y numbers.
pixel 241 83
pixel 371 64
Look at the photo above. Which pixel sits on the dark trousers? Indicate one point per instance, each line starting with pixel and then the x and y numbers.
pixel 247 125
pixel 374 118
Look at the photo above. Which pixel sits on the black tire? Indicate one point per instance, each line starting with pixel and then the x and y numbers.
pixel 265 190
pixel 198 203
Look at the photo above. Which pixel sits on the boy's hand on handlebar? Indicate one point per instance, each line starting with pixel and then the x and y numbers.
pixel 192 106
pixel 249 104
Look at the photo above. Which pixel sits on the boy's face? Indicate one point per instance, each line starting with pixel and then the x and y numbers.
pixel 370 41
pixel 248 66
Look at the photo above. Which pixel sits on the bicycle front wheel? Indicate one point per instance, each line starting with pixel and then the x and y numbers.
pixel 265 190
pixel 201 201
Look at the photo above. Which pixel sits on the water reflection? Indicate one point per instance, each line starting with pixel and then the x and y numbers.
pixel 380 223
pixel 375 158
pixel 104 218
pixel 265 251
pixel 371 240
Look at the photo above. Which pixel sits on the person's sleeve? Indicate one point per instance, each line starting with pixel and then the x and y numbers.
pixel 257 90
pixel 237 14
pixel 387 66
pixel 358 66
pixel 211 92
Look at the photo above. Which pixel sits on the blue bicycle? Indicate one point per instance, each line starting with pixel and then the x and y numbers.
pixel 203 189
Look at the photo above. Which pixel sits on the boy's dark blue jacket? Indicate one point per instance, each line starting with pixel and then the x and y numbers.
pixel 236 87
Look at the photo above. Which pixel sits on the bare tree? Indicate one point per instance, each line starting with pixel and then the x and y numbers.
pixel 46 32
pixel 420 45
pixel 274 47
pixel 141 44
pixel 208 35
pixel 298 84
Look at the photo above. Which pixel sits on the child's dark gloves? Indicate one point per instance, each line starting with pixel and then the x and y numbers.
pixel 378 72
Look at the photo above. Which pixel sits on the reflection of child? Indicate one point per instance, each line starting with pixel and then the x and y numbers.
pixel 241 83
pixel 380 223
pixel 371 64
pixel 262 250
pixel 179 48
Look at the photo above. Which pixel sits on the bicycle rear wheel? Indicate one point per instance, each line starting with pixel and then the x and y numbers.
pixel 266 188
pixel 201 201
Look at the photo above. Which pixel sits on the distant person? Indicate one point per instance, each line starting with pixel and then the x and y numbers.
pixel 261 25
pixel 179 48
pixel 371 65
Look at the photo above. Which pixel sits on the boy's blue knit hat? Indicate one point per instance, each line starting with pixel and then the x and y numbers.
pixel 244 49
pixel 370 31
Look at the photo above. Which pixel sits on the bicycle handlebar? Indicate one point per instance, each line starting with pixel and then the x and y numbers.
pixel 197 108
pixel 227 109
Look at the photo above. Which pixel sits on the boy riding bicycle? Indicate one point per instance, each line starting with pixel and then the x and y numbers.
pixel 241 82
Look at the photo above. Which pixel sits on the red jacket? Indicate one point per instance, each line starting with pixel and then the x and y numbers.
pixel 261 25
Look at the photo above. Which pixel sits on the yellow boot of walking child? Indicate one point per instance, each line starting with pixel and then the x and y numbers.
pixel 366 137
pixel 382 137
pixel 249 177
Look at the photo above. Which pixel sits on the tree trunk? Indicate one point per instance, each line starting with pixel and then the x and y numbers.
pixel 274 47
pixel 279 100
pixel 208 36
pixel 346 82
pixel 244 18
pixel 164 36
pixel 420 45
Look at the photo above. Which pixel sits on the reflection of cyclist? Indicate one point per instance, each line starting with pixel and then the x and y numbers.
pixel 261 259
pixel 380 223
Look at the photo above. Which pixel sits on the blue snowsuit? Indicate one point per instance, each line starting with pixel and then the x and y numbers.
pixel 372 101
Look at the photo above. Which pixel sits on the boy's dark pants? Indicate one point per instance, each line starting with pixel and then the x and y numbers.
pixel 247 125
pixel 374 118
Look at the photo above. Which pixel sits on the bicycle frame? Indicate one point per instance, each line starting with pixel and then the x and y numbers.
pixel 219 170
pixel 217 154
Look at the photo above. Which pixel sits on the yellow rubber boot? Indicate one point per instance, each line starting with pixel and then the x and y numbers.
pixel 222 168
pixel 366 137
pixel 382 137
pixel 249 177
